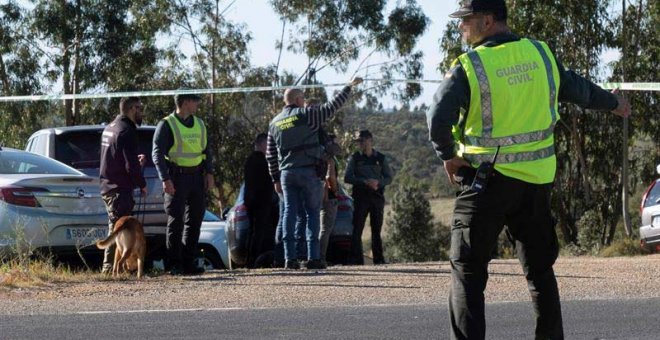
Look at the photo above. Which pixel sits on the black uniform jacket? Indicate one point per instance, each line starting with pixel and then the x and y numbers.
pixel 120 169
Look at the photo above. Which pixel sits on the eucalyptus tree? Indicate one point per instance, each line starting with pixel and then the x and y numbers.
pixel 637 29
pixel 20 74
pixel 95 45
pixel 334 33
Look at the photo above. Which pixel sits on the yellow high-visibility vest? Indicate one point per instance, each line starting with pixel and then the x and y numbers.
pixel 513 105
pixel 189 142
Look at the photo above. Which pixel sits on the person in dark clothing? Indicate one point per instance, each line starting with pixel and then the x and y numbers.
pixel 369 172
pixel 185 165
pixel 469 124
pixel 259 200
pixel 120 169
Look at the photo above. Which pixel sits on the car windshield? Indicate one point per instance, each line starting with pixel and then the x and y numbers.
pixel 21 162
pixel 82 149
pixel 210 217
pixel 653 197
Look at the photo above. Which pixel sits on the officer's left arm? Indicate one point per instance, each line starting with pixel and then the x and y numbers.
pixel 387 174
pixel 576 89
pixel 452 95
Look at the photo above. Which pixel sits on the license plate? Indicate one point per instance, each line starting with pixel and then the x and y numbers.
pixel 656 221
pixel 86 233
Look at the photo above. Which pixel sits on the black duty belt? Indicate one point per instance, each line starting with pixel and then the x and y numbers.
pixel 175 169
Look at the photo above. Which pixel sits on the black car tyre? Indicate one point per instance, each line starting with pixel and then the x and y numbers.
pixel 210 259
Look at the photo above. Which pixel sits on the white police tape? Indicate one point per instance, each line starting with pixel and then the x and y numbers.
pixel 621 86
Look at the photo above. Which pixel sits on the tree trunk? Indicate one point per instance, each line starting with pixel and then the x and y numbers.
pixel 75 78
pixel 66 87
pixel 579 150
pixel 4 78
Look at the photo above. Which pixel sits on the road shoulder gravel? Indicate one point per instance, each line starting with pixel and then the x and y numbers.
pixel 579 278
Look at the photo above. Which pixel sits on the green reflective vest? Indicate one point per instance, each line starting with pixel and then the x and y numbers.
pixel 189 142
pixel 513 105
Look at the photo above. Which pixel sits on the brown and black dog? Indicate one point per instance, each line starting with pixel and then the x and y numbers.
pixel 128 235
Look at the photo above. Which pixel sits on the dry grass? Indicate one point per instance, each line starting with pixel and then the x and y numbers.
pixel 37 273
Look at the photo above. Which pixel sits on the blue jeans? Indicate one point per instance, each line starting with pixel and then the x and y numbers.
pixel 301 187
pixel 301 225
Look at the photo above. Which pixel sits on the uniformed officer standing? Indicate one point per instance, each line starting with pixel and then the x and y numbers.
pixel 503 96
pixel 184 162
pixel 120 169
pixel 294 160
pixel 369 172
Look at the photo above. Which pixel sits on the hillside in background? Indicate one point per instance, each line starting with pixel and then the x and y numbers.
pixel 402 136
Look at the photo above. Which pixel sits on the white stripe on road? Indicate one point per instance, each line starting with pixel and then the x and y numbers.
pixel 159 310
pixel 224 309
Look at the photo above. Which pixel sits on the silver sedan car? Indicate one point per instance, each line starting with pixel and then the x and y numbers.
pixel 649 232
pixel 47 205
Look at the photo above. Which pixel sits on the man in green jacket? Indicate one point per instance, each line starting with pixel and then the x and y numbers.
pixel 369 172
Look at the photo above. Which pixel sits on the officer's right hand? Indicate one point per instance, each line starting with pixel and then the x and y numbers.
pixel 623 106
pixel 452 166
pixel 168 187
pixel 143 191
pixel 278 187
pixel 355 81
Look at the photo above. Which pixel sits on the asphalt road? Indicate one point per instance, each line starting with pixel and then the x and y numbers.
pixel 605 319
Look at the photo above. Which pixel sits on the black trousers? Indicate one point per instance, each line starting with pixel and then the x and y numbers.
pixel 118 203
pixel 478 220
pixel 262 232
pixel 372 204
pixel 185 211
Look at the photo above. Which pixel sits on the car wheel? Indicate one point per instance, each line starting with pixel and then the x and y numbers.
pixel 209 259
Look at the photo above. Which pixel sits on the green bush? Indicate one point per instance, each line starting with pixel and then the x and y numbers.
pixel 624 247
pixel 589 237
pixel 412 236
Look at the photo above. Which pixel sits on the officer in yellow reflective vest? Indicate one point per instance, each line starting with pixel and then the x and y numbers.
pixel 501 98
pixel 184 163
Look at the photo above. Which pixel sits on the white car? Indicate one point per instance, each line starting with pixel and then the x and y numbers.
pixel 80 148
pixel 214 253
pixel 47 205
pixel 649 232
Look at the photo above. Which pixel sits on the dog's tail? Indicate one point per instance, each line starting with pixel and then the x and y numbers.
pixel 120 225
